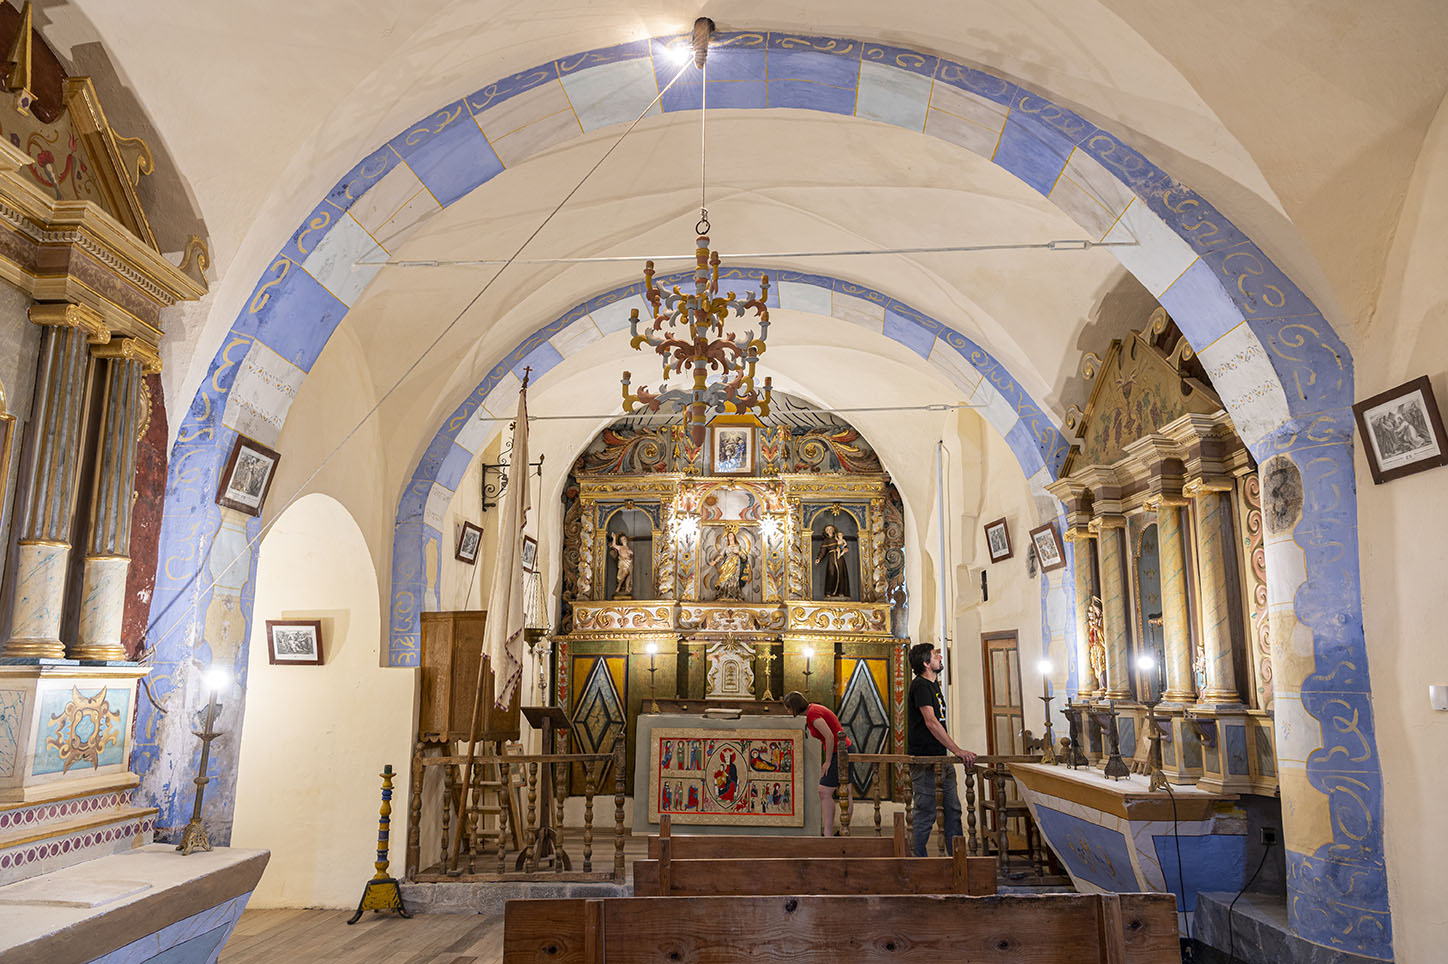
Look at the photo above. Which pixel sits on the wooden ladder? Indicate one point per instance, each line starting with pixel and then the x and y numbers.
pixel 488 802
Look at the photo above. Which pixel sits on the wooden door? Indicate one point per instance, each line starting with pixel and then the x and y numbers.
pixel 1004 709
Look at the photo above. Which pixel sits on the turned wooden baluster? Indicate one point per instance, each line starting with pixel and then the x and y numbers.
pixel 559 799
pixel 846 790
pixel 471 839
pixel 414 816
pixel 618 812
pixel 505 777
pixel 879 779
pixel 447 795
pixel 972 844
pixel 590 775
pixel 533 817
pixel 940 804
pixel 998 782
pixel 907 789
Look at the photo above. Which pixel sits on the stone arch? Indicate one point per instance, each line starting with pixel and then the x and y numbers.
pixel 1284 374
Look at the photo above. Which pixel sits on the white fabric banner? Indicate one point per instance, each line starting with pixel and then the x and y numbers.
pixel 503 636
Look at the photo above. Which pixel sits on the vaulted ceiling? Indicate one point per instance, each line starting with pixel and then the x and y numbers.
pixel 260 108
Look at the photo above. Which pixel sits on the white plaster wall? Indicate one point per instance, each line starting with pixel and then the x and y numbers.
pixel 316 737
pixel 1404 554
pixel 986 483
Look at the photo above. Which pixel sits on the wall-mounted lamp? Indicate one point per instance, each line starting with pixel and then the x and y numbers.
pixel 770 527
pixel 1048 749
pixel 808 653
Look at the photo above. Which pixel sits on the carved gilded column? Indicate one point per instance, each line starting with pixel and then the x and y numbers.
pixel 1212 507
pixel 877 552
pixel 1082 552
pixel 125 362
pixel 1176 619
pixel 44 532
pixel 1113 604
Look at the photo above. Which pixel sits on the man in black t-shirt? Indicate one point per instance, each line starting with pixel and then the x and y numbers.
pixel 926 736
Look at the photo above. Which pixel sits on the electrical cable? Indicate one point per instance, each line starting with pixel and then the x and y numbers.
pixel 297 492
pixel 1181 878
pixel 1060 244
pixel 1231 931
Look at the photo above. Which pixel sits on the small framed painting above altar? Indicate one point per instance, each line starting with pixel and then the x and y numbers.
pixel 752 775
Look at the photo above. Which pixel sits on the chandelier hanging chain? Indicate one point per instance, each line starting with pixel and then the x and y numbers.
pixel 187 613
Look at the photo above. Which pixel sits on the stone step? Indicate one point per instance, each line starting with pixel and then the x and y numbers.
pixel 77 834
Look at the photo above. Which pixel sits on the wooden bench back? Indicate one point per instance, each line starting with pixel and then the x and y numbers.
pixel 715 846
pixel 1074 928
pixel 667 877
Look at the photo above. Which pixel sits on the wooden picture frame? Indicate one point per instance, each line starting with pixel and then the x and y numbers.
pixel 998 540
pixel 470 539
pixel 530 554
pixel 1050 551
pixel 1402 431
pixel 731 448
pixel 248 476
pixel 294 642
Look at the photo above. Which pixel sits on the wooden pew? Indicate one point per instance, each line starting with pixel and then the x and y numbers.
pixel 715 846
pixel 1074 928
pixel 744 876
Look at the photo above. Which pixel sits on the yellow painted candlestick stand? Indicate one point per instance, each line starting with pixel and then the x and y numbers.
pixel 382 891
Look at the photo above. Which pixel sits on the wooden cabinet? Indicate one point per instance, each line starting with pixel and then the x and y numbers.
pixel 452 645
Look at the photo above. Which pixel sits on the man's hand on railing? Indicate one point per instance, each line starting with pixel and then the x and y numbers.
pixel 966 757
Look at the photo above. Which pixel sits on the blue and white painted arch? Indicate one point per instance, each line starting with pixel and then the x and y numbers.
pixel 1284 373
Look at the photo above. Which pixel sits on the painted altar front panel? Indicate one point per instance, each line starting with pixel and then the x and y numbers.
pixel 741 777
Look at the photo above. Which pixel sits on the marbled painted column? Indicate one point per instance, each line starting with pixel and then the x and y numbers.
pixel 1081 550
pixel 1176 620
pixel 103 596
pixel 45 524
pixel 1212 507
pixel 1113 605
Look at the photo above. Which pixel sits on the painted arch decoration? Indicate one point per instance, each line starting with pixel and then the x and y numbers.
pixel 1284 374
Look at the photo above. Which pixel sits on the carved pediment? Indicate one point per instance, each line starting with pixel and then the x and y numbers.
pixel 1138 389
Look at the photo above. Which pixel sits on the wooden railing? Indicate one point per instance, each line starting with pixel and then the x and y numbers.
pixel 522 783
pixel 984 816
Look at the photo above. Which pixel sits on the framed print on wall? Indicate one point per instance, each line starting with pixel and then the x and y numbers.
pixel 530 554
pixel 998 540
pixel 294 641
pixel 1049 550
pixel 731 448
pixel 1402 431
pixel 247 477
pixel 469 539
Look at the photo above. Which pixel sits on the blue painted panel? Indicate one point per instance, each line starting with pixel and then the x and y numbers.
pixel 1090 851
pixel 909 333
pixel 1197 296
pixel 448 153
pixel 509 87
pixel 1237 750
pixel 978 82
pixel 834 68
pixel 916 63
pixel 291 313
pixel 1314 365
pixel 1026 154
pixel 599 56
pixel 314 228
pixel 811 96
pixel 431 462
pixel 1022 442
pixel 455 466
pixel 1209 862
pixel 1266 761
pixel 540 359
pixel 198 950
pixel 357 181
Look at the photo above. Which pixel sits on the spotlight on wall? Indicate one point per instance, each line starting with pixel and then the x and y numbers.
pixel 770 527
pixel 1146 662
pixel 686 529
pixel 1045 667
pixel 680 53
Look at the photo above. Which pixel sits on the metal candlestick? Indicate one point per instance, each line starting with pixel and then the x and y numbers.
pixel 1073 717
pixel 194 838
pixel 653 703
pixel 1153 753
pixel 768 669
pixel 1048 751
pixel 1115 767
